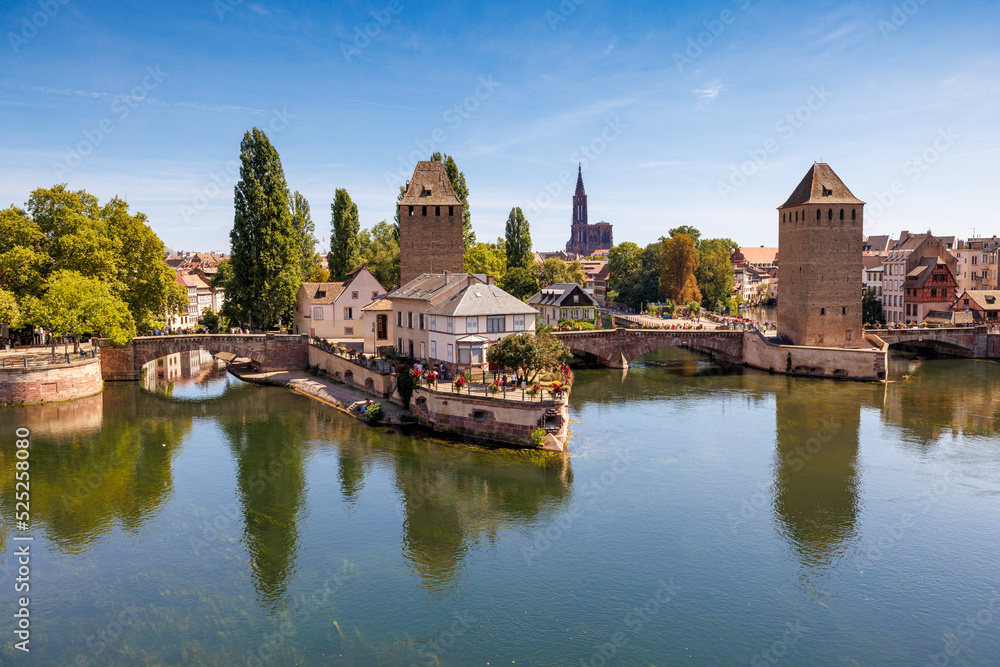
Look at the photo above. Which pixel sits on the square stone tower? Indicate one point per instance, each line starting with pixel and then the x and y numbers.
pixel 819 272
pixel 430 224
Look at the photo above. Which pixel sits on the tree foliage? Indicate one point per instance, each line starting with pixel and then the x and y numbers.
pixel 715 273
pixel 517 241
pixel 554 270
pixel 457 179
pixel 266 253
pixel 520 282
pixel 73 304
pixel 689 230
pixel 678 263
pixel 488 258
pixel 345 246
pixel 10 313
pixel 379 249
pixel 305 231
pixel 871 308
pixel 64 230
pixel 528 354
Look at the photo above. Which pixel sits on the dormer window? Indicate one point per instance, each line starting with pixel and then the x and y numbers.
pixel 826 192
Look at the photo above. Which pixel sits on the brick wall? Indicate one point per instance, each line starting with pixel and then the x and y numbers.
pixel 57 383
pixel 429 243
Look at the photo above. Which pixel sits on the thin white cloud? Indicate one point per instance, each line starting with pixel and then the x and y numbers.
pixel 710 92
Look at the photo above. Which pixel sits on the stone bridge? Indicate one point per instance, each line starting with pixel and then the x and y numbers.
pixel 973 342
pixel 270 351
pixel 617 347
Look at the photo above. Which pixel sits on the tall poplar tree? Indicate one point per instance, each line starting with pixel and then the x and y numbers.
pixel 305 233
pixel 517 241
pixel 266 254
pixel 345 247
pixel 457 179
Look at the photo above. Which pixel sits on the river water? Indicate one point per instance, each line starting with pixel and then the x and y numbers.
pixel 700 518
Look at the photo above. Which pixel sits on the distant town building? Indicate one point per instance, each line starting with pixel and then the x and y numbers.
pixel 906 257
pixel 597 273
pixel 586 239
pixel 819 232
pixel 872 270
pixel 564 301
pixel 430 224
pixel 977 264
pixel 332 311
pixel 977 307
pixel 755 271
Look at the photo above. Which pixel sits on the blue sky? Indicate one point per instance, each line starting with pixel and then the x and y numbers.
pixel 703 113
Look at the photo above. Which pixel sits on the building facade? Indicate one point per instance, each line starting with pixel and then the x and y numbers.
pixel 586 239
pixel 977 264
pixel 819 233
pixel 564 301
pixel 332 311
pixel 905 256
pixel 430 224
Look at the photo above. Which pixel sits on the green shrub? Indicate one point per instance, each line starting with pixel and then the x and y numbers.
pixel 374 413
pixel 538 436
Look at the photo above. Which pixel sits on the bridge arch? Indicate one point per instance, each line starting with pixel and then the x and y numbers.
pixel 618 347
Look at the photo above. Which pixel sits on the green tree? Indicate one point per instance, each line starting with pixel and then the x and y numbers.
pixel 266 258
pixel 624 267
pixel 213 322
pixel 305 233
pixel 552 271
pixel 318 275
pixel 871 308
pixel 457 179
pixel 24 261
pixel 527 354
pixel 345 248
pixel 223 275
pixel 379 249
pixel 576 274
pixel 715 273
pixel 520 282
pixel 678 263
pixel 72 305
pixel 488 258
pixel 689 230
pixel 517 241
pixel 10 313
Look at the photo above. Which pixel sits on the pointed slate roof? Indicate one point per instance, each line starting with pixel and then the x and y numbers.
pixel 430 185
pixel 579 181
pixel 821 186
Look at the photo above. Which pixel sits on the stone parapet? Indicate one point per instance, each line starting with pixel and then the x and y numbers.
pixel 52 383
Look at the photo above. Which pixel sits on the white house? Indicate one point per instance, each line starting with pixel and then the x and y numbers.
pixel 333 310
pixel 564 301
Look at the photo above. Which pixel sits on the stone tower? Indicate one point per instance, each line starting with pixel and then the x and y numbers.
pixel 430 224
pixel 585 238
pixel 819 273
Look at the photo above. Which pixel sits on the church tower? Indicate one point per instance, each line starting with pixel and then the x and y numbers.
pixel 578 231
pixel 430 224
pixel 819 271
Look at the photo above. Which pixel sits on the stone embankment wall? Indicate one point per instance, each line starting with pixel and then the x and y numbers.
pixel 491 418
pixel 52 383
pixel 841 363
pixel 350 373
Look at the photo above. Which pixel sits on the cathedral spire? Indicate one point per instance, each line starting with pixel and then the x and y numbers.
pixel 579 181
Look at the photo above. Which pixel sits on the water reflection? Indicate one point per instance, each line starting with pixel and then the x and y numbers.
pixel 454 497
pixel 816 484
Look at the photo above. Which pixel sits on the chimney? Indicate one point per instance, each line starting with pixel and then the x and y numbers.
pixel 447 277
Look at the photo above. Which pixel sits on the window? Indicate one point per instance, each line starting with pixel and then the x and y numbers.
pixel 437 210
pixel 382 327
pixel 424 211
pixel 354 295
pixel 822 311
pixel 348 331
pixel 421 327
pixel 854 214
pixel 471 325
pixel 434 349
pixel 451 210
pixel 374 295
pixel 423 352
pixel 399 318
pixel 463 355
pixel 409 320
pixel 841 214
pixel 433 323
pixel 450 326
pixel 495 324
pixel 848 333
pixel 819 216
pixel 829 214
pixel 576 298
pixel 451 352
pixel 519 323
pixel 399 345
pixel 349 313
pixel 843 310
pixel 411 213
